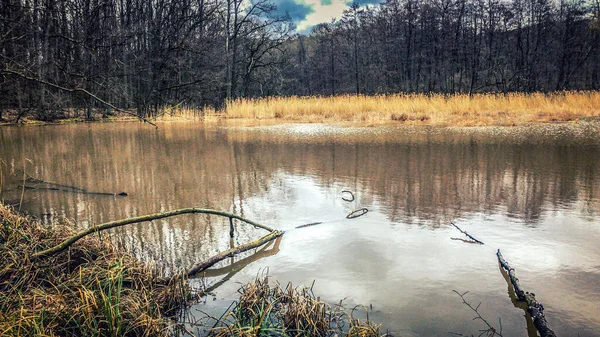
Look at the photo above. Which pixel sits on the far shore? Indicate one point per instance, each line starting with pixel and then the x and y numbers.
pixel 490 109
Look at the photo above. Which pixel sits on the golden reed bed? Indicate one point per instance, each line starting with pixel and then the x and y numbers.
pixel 436 109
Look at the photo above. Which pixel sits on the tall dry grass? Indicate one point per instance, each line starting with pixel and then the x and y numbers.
pixel 185 113
pixel 272 310
pixel 94 289
pixel 439 109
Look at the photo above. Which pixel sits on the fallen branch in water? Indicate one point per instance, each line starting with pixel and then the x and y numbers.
pixel 29 187
pixel 351 195
pixel 269 249
pixel 356 213
pixel 309 224
pixel 118 223
pixel 466 241
pixel 473 240
pixel 49 186
pixel 534 308
pixel 231 252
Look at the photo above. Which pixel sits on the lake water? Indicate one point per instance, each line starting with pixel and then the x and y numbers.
pixel 533 192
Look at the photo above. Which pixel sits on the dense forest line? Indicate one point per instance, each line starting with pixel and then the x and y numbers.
pixel 134 54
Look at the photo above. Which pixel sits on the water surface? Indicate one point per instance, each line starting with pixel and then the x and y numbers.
pixel 533 192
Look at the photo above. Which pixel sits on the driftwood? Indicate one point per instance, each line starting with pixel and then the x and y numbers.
pixel 473 240
pixel 351 195
pixel 269 249
pixel 534 308
pixel 231 252
pixel 309 224
pixel 34 184
pixel 108 225
pixel 73 190
pixel 357 213
pixel 531 329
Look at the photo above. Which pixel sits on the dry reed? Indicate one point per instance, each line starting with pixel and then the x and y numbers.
pixel 92 289
pixel 437 109
pixel 272 310
pixel 185 113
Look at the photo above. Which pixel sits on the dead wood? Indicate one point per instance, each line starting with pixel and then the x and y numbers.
pixel 71 190
pixel 356 213
pixel 231 252
pixel 39 184
pixel 309 224
pixel 351 195
pixel 534 308
pixel 117 223
pixel 473 240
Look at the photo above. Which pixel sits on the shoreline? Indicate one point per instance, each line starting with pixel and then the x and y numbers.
pixel 457 110
pixel 97 288
pixel 93 288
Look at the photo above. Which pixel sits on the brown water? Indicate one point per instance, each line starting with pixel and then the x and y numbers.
pixel 534 192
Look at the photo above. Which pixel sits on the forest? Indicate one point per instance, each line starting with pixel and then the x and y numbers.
pixel 146 55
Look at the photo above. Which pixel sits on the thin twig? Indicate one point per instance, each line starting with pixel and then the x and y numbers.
pixel 351 195
pixel 467 234
pixel 491 331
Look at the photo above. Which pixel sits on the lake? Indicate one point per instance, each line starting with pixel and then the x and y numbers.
pixel 532 191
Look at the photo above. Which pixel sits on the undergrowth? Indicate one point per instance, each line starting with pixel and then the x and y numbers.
pixel 94 288
pixel 272 310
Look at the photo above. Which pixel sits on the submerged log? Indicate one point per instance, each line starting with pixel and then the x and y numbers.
pixel 72 190
pixel 534 308
pixel 39 184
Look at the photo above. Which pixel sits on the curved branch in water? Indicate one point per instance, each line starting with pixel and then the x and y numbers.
pixel 347 199
pixel 118 223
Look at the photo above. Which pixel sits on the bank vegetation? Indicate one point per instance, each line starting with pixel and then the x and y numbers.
pixel 436 109
pixel 96 288
pixel 99 57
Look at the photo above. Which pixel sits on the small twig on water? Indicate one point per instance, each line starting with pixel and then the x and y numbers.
pixel 490 331
pixel 357 213
pixel 465 241
pixel 351 196
pixel 467 235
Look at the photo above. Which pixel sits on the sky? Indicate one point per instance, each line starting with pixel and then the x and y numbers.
pixel 308 13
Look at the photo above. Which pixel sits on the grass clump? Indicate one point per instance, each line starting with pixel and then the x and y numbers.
pixel 93 288
pixel 272 310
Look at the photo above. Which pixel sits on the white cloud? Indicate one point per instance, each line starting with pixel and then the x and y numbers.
pixel 322 13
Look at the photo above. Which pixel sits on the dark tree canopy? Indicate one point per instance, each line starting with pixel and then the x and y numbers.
pixel 142 55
